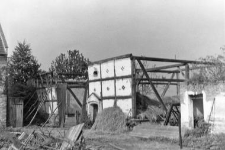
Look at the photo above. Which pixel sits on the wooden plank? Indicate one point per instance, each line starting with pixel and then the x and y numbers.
pixel 19 113
pixel 72 136
pixel 152 85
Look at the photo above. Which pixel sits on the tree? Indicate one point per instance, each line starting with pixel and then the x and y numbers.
pixel 22 64
pixel 213 71
pixel 71 63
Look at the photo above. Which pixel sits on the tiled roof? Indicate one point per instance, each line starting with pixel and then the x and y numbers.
pixel 3 43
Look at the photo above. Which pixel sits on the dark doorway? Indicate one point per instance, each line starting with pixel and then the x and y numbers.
pixel 198 111
pixel 95 111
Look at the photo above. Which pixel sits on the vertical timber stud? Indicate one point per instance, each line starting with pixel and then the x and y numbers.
pixel 178 85
pixel 133 73
pixel 114 67
pixel 84 111
pixel 152 85
pixel 61 97
pixel 186 73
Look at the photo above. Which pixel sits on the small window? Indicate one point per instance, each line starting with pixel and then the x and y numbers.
pixel 95 73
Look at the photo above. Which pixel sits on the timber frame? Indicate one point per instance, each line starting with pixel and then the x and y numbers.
pixel 179 70
pixel 140 75
pixel 63 83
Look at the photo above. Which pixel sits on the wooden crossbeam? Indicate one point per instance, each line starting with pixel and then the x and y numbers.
pixel 169 60
pixel 152 85
pixel 165 71
pixel 162 67
pixel 158 83
pixel 162 80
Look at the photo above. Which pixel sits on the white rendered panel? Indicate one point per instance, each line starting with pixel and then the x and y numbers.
pixel 95 87
pixel 94 72
pixel 123 67
pixel 107 69
pixel 123 87
pixel 125 105
pixel 108 103
pixel 108 88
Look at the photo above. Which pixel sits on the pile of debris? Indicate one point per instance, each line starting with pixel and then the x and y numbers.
pixel 111 119
pixel 39 140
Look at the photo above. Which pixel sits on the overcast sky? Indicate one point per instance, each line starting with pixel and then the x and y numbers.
pixel 100 29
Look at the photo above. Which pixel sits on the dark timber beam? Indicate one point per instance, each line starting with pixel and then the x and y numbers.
pixel 187 73
pixel 158 83
pixel 163 67
pixel 165 71
pixel 75 97
pixel 163 80
pixel 152 85
pixel 69 89
pixel 169 60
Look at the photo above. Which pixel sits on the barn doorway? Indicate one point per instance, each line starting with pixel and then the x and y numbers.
pixel 94 111
pixel 198 109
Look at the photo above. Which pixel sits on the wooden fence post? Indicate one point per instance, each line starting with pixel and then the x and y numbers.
pixel 61 98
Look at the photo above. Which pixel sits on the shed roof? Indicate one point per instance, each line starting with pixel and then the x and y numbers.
pixel 3 43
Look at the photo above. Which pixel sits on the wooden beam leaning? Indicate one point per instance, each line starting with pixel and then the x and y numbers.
pixel 167 86
pixel 152 85
pixel 75 97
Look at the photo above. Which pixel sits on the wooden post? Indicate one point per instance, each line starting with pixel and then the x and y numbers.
pixel 186 73
pixel 134 87
pixel 178 85
pixel 84 111
pixel 61 97
pixel 180 136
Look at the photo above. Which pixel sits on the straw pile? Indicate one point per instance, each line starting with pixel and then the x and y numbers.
pixel 111 119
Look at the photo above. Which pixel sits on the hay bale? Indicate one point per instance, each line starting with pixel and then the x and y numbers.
pixel 111 119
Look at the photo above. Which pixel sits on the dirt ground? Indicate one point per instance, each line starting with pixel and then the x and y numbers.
pixel 105 141
pixel 96 140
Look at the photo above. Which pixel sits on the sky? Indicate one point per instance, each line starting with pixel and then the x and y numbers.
pixel 100 29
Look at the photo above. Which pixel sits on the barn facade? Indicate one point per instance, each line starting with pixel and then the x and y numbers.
pixel 111 82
